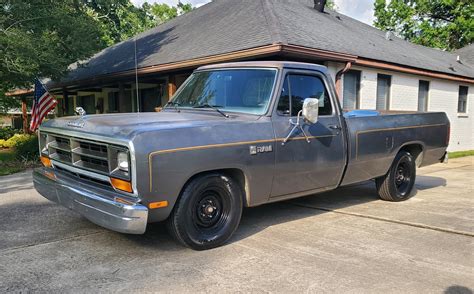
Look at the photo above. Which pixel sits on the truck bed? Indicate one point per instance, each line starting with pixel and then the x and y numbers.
pixel 374 140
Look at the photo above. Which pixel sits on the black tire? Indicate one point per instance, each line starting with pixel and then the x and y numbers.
pixel 208 212
pixel 398 183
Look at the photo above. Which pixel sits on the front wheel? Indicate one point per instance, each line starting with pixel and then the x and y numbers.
pixel 398 183
pixel 207 213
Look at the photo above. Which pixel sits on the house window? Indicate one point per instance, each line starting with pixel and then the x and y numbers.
pixel 87 103
pixel 113 101
pixel 351 90
pixel 462 99
pixel 423 91
pixel 299 87
pixel 383 92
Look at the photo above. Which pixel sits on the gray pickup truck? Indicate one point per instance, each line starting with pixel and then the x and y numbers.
pixel 234 135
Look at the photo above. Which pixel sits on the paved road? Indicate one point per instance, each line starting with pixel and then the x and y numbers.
pixel 343 241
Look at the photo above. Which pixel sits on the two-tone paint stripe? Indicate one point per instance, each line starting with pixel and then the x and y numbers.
pixel 221 145
pixel 387 129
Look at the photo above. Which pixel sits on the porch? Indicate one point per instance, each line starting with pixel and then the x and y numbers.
pixel 140 94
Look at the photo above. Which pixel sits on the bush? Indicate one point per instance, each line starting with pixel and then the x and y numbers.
pixel 25 146
pixel 27 149
pixel 15 140
pixel 6 133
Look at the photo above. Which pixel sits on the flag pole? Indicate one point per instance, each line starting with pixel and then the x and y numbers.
pixel 136 74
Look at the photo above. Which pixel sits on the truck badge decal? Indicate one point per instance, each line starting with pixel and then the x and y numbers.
pixel 260 149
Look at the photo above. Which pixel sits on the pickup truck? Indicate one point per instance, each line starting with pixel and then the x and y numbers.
pixel 234 135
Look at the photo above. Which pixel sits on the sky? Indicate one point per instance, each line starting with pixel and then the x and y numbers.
pixel 362 10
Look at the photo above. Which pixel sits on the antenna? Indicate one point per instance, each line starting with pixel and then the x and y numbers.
pixel 136 74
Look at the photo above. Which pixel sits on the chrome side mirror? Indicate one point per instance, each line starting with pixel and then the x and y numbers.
pixel 311 110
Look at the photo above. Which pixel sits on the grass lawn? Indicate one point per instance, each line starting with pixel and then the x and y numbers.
pixel 10 165
pixel 460 154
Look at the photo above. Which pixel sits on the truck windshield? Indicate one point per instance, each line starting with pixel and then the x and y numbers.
pixel 234 90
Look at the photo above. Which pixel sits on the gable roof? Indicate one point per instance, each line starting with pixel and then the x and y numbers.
pixel 224 26
pixel 466 53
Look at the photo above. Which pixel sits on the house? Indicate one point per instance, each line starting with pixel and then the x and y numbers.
pixel 372 69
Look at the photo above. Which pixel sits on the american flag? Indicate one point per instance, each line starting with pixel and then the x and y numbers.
pixel 42 104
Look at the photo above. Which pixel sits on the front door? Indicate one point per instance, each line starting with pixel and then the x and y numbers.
pixel 302 166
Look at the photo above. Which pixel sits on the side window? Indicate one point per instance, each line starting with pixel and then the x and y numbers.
pixel 296 88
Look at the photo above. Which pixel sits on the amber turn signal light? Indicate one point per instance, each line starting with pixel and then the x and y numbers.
pixel 45 161
pixel 121 185
pixel 159 204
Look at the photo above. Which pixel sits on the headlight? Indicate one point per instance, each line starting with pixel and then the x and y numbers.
pixel 122 161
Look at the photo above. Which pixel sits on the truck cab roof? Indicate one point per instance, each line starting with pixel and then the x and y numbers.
pixel 273 64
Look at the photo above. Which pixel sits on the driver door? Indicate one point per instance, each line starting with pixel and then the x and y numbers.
pixel 301 166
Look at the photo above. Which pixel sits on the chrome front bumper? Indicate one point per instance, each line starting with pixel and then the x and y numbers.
pixel 97 205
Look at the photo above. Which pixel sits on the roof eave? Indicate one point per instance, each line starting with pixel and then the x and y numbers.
pixel 262 51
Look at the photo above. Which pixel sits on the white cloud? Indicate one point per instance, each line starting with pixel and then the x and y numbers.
pixel 362 10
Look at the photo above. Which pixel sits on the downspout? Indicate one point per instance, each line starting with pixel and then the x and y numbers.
pixel 338 79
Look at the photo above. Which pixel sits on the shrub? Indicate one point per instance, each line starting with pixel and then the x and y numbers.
pixel 27 149
pixel 6 133
pixel 15 140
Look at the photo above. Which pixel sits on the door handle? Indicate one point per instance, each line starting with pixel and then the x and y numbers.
pixel 335 127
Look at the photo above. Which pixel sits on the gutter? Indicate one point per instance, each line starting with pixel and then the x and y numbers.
pixel 405 69
pixel 262 51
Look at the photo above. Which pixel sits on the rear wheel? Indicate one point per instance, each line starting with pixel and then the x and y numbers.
pixel 207 213
pixel 398 183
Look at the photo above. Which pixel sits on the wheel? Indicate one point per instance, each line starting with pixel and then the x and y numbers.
pixel 207 213
pixel 398 183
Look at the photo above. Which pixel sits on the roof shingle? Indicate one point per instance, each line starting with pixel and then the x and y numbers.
pixel 224 26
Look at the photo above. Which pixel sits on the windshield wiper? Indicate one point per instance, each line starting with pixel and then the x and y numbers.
pixel 215 107
pixel 174 104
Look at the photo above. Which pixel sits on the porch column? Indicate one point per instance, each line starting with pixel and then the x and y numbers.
pixel 65 105
pixel 171 86
pixel 121 97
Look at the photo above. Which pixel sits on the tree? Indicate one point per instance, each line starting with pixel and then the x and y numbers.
pixel 161 13
pixel 41 38
pixel 331 5
pixel 120 20
pixel 444 24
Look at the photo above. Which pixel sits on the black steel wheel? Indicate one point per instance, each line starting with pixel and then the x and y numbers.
pixel 398 183
pixel 207 213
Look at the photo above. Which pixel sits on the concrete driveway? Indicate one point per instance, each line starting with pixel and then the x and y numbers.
pixel 343 241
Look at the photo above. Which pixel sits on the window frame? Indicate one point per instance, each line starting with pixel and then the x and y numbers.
pixel 116 96
pixel 388 100
pixel 358 87
pixel 286 73
pixel 427 98
pixel 465 112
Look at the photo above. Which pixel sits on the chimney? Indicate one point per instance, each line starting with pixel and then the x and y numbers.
pixel 319 5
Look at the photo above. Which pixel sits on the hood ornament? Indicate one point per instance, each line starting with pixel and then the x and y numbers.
pixel 80 111
pixel 78 123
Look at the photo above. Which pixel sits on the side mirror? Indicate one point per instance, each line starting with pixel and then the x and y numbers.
pixel 311 110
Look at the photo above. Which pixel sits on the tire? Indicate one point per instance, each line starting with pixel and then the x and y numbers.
pixel 398 183
pixel 207 213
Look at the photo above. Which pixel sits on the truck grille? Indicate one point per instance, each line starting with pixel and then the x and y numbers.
pixel 92 156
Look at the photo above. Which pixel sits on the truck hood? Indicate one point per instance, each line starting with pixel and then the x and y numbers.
pixel 126 125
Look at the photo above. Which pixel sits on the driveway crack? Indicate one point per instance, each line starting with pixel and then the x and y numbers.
pixel 379 218
pixel 51 241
